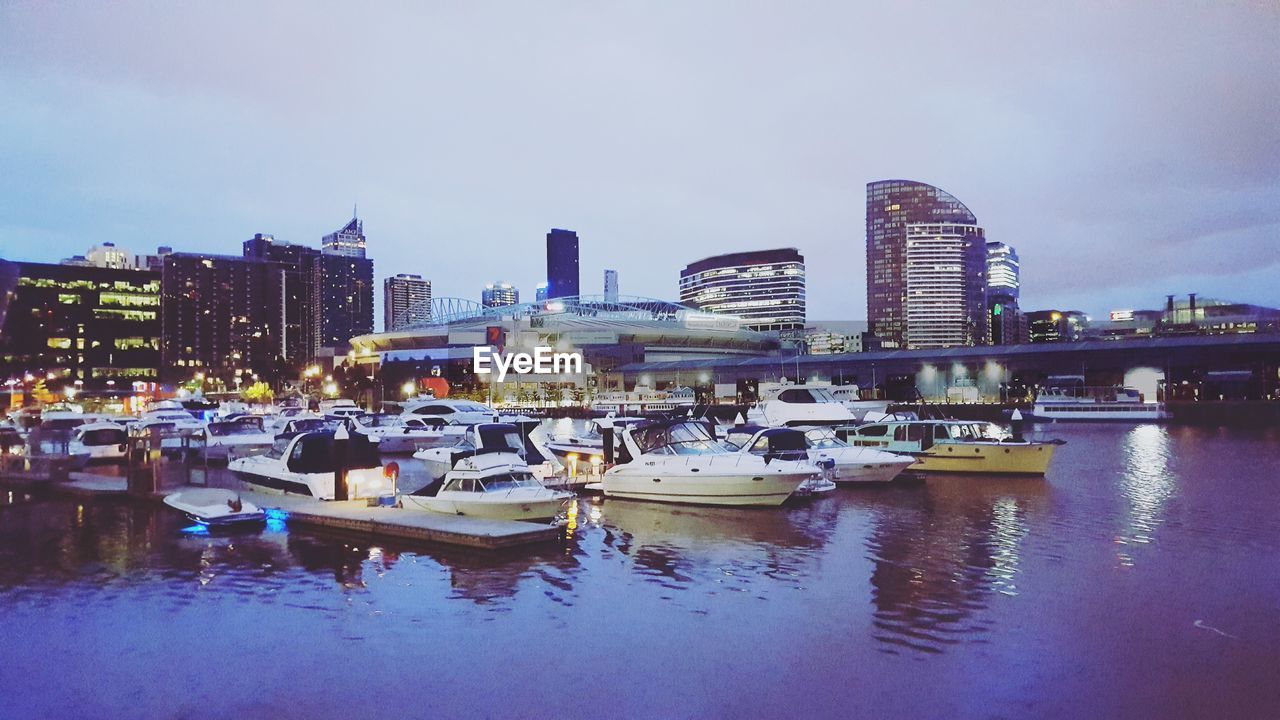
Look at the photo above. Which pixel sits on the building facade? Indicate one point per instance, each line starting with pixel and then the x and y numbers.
pixel 946 284
pixel 1046 326
pixel 540 293
pixel 1004 280
pixel 99 327
pixel 766 288
pixel 611 285
pixel 893 205
pixel 562 263
pixel 222 316
pixel 406 301
pixel 300 278
pixel 346 286
pixel 499 294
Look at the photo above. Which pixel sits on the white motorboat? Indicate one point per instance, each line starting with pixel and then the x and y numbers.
pixel 1097 404
pixel 215 507
pixel 851 397
pixel 398 434
pixel 282 418
pixel 173 423
pixel 229 438
pixel 455 412
pixel 801 405
pixel 679 461
pixel 842 462
pixel 304 464
pixel 953 446
pixel 493 484
pixel 485 438
pixel 589 445
pixel 308 424
pixel 99 442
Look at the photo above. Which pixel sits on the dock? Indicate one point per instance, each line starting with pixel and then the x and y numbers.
pixel 351 517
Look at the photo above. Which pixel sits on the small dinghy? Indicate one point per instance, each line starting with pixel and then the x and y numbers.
pixel 215 507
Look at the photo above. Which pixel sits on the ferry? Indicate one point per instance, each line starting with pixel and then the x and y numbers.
pixel 952 446
pixel 1096 404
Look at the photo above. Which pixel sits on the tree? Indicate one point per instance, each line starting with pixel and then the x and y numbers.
pixel 259 392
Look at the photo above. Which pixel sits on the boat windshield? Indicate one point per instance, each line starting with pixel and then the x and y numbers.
pixel 103 436
pixel 310 425
pixel 687 438
pixel 500 436
pixel 962 431
pixel 248 425
pixel 823 439
pixel 381 420
pixel 279 447
pixel 509 481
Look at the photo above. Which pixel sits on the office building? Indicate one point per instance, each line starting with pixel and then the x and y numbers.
pixel 499 294
pixel 611 285
pixel 766 288
pixel 945 272
pixel 348 242
pixel 540 293
pixel 299 267
pixel 892 206
pixel 562 264
pixel 99 326
pixel 1004 318
pixel 406 302
pixel 346 286
pixel 222 316
pixel 832 337
pixel 1046 326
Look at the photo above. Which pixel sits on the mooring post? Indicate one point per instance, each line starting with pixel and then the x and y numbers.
pixel 340 438
pixel 606 434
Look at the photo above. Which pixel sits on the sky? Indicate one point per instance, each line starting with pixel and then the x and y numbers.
pixel 1127 150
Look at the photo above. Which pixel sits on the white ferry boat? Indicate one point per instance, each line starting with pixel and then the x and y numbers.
pixel 1096 404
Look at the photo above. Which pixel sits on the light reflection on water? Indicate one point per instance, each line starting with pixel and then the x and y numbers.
pixel 948 567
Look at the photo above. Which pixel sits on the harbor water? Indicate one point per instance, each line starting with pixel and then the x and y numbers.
pixel 1139 579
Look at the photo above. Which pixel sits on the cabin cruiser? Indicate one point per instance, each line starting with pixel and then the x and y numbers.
pixel 99 442
pixel 280 419
pixel 783 444
pixel 819 445
pixel 954 446
pixel 310 424
pixel 487 477
pixel 304 464
pixel 453 412
pixel 215 507
pixel 175 424
pixel 227 438
pixel 589 445
pixel 851 397
pixel 514 438
pixel 1096 404
pixel 397 434
pixel 801 405
pixel 679 461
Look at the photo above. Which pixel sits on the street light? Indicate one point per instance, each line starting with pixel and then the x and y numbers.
pixel 408 388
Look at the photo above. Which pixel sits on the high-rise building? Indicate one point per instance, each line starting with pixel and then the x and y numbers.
pixel 499 294
pixel 540 293
pixel 346 286
pixel 946 285
pixel 611 285
pixel 1056 325
pixel 222 315
pixel 300 276
pixel 406 301
pixel 99 326
pixel 893 205
pixel 349 241
pixel 1004 319
pixel 562 263
pixel 766 288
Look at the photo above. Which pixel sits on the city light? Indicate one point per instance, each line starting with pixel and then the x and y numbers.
pixel 409 388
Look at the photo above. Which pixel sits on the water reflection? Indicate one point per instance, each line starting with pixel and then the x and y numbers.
pixel 939 558
pixel 1147 484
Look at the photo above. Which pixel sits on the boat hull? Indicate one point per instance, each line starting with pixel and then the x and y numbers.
pixel 544 509
pixel 765 489
pixel 985 459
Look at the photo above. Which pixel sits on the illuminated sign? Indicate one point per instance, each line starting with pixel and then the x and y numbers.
pixel 1121 315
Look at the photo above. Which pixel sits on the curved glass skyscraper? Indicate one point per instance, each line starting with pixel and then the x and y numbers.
pixel 918 231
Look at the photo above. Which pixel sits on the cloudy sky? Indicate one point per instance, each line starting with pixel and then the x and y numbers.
pixel 1127 150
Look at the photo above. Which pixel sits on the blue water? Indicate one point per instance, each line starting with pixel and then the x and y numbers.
pixel 1140 579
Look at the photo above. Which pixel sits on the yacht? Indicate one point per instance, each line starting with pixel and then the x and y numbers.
pixel 783 444
pixel 1095 404
pixel 227 438
pixel 589 445
pixel 282 418
pixel 304 464
pixel 397 434
pixel 486 438
pixel 851 397
pixel 801 405
pixel 453 412
pixel 820 445
pixel 99 442
pixel 175 424
pixel 487 477
pixel 953 446
pixel 679 461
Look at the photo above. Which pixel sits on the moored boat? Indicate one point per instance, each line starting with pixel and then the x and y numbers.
pixel 953 446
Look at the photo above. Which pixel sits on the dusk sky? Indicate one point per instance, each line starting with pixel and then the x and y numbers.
pixel 1127 150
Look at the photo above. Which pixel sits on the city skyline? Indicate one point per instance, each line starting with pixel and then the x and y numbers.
pixel 1103 166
